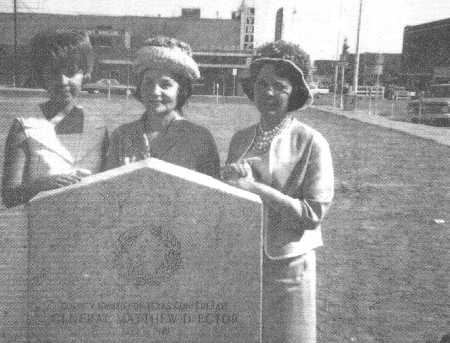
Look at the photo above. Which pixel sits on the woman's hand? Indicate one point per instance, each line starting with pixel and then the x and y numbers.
pixel 239 174
pixel 81 172
pixel 245 175
pixel 230 172
pixel 13 196
pixel 46 183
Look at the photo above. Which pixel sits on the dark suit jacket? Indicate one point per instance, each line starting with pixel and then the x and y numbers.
pixel 184 143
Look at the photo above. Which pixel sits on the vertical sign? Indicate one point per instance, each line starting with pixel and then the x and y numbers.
pixel 279 24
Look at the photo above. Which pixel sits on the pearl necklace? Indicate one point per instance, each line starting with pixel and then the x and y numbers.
pixel 263 138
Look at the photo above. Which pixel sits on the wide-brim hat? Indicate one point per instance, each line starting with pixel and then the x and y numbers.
pixel 301 96
pixel 172 59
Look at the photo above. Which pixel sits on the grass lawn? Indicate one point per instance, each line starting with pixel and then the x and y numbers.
pixel 383 274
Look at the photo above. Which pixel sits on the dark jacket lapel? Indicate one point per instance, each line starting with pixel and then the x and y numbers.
pixel 165 142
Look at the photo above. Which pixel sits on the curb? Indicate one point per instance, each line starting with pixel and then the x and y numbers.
pixel 21 92
pixel 439 135
pixel 36 92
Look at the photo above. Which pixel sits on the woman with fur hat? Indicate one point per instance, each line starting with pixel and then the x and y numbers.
pixel 57 144
pixel 288 164
pixel 165 71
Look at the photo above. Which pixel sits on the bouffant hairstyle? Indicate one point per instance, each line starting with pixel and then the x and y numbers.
pixel 61 50
pixel 285 50
pixel 289 61
pixel 185 82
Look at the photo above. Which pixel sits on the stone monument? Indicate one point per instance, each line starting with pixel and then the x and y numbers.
pixel 148 252
pixel 13 274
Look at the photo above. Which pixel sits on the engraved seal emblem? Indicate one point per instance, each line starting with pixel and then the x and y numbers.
pixel 147 257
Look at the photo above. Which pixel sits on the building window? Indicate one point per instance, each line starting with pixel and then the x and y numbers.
pixel 114 74
pixel 248 45
pixel 193 13
pixel 101 41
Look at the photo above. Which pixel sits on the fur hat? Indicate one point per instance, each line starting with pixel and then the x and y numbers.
pixel 168 54
pixel 290 56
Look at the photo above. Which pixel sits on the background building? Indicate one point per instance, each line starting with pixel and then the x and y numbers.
pixel 216 44
pixel 426 54
pixel 246 15
pixel 222 47
pixel 425 59
pixel 374 68
pixel 323 73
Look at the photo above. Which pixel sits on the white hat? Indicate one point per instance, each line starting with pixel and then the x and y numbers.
pixel 173 59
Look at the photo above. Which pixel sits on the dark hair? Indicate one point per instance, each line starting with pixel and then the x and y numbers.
pixel 58 49
pixel 185 90
pixel 288 52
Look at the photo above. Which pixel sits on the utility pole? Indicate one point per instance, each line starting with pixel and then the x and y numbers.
pixel 378 71
pixel 336 76
pixel 336 67
pixel 356 70
pixel 343 62
pixel 15 44
pixel 341 101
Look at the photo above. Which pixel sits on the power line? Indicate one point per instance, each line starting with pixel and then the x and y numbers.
pixel 28 5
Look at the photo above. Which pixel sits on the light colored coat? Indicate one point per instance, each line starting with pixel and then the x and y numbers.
pixel 300 165
pixel 51 154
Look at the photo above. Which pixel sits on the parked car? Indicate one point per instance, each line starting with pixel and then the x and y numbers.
pixel 431 107
pixel 397 93
pixel 318 89
pixel 102 86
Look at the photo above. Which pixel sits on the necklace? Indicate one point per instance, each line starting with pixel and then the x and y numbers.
pixel 263 138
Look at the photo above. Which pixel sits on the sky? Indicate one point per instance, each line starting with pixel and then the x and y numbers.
pixel 322 24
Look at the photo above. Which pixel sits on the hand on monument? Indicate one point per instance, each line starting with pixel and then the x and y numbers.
pixel 81 172
pixel 230 171
pixel 54 181
pixel 240 175
pixel 236 170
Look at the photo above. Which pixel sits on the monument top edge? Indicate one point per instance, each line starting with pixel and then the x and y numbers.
pixel 154 164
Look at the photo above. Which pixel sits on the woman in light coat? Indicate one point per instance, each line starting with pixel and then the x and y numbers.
pixel 288 164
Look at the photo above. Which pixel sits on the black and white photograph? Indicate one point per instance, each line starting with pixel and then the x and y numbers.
pixel 240 171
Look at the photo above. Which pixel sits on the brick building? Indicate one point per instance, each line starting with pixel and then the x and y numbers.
pixel 426 53
pixel 323 73
pixel 373 67
pixel 217 44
